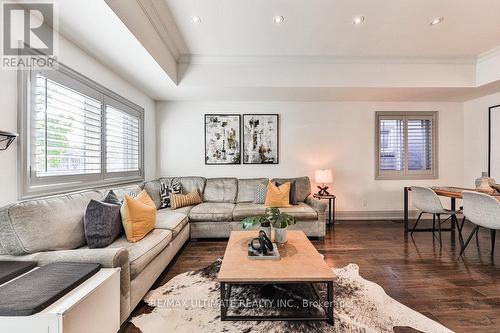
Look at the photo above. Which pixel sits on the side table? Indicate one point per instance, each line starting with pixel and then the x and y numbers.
pixel 331 206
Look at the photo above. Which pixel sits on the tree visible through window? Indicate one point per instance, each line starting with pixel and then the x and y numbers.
pixel 406 145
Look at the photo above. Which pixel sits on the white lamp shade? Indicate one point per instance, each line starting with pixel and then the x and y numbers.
pixel 323 176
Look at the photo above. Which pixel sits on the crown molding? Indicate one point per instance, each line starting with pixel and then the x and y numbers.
pixel 307 60
pixel 151 10
pixel 493 53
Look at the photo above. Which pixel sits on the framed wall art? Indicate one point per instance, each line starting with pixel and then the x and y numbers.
pixel 260 139
pixel 222 139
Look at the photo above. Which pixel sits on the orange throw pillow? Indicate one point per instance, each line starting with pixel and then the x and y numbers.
pixel 138 216
pixel 278 196
pixel 182 200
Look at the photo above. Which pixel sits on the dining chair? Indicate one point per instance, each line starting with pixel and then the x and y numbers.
pixel 427 201
pixel 484 211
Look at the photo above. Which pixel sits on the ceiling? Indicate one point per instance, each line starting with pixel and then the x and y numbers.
pixel 237 52
pixel 392 28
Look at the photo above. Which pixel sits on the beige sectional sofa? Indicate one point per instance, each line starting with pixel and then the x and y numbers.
pixel 227 201
pixel 51 229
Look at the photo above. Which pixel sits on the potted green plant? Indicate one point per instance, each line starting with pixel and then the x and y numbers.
pixel 280 221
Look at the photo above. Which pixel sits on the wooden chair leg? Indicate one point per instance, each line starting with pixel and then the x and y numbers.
pixel 468 239
pixel 433 223
pixel 493 233
pixel 416 223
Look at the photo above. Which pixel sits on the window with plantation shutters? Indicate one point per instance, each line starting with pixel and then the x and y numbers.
pixel 122 141
pixel 77 134
pixel 67 128
pixel 406 145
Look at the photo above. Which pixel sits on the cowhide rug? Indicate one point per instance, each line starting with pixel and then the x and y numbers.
pixel 190 303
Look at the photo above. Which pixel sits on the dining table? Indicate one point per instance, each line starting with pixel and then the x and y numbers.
pixel 451 192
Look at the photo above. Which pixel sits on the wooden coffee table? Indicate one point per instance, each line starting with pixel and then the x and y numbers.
pixel 300 263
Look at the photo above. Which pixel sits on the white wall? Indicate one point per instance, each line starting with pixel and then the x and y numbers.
pixel 476 136
pixel 338 135
pixel 74 57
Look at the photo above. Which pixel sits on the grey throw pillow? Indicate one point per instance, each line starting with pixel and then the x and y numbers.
pixel 112 198
pixel 260 194
pixel 293 190
pixel 102 224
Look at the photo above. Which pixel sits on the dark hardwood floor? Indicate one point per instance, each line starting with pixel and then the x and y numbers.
pixel 460 293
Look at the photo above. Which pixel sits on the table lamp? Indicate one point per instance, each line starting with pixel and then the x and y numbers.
pixel 323 176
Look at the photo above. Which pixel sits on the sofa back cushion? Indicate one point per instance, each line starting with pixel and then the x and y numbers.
pixel 153 189
pixel 130 190
pixel 53 223
pixel 191 184
pixel 188 185
pixel 247 188
pixel 302 186
pixel 221 190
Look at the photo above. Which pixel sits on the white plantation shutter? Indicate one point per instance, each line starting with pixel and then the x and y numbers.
pixel 406 145
pixel 391 144
pixel 67 130
pixel 122 141
pixel 419 144
pixel 78 134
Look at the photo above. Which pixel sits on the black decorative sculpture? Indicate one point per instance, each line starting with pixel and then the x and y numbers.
pixel 262 243
pixel 323 190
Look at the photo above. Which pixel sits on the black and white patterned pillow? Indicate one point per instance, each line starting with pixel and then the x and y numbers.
pixel 167 188
pixel 260 194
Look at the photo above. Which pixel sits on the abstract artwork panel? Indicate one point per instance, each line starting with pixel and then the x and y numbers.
pixel 222 139
pixel 260 139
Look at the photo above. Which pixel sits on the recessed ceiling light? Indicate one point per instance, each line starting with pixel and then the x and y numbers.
pixel 278 19
pixel 358 19
pixel 436 20
pixel 196 19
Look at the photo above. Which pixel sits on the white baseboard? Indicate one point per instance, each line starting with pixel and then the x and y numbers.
pixel 378 215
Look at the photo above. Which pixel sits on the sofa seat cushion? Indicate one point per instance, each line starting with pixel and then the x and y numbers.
pixel 247 209
pixel 171 220
pixel 212 212
pixel 301 211
pixel 141 253
pixel 184 210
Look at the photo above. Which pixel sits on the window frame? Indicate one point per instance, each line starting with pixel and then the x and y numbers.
pixel 30 184
pixel 406 173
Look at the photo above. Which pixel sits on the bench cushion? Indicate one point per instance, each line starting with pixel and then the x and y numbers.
pixel 212 212
pixel 40 288
pixel 11 269
pixel 141 253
